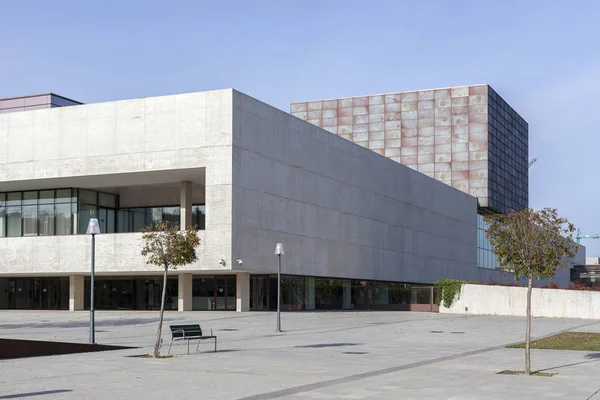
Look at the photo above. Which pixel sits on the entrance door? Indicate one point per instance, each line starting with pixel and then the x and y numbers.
pixel 259 293
pixel 225 293
pixel 220 293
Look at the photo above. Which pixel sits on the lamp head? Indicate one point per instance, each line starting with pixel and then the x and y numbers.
pixel 279 249
pixel 93 227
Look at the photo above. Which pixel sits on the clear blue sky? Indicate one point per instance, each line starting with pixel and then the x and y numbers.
pixel 543 57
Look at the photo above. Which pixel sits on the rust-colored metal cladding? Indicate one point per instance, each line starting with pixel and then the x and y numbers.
pixel 465 136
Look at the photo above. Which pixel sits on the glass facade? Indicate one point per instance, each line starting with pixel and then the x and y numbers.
pixel 131 293
pixel 316 293
pixel 96 205
pixel 38 213
pixel 485 257
pixel 34 293
pixel 214 293
pixel 508 157
pixel 68 211
pixel 134 219
pixel 218 293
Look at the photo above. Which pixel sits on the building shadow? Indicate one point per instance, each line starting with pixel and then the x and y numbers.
pixel 321 345
pixel 593 357
pixel 81 324
pixel 31 394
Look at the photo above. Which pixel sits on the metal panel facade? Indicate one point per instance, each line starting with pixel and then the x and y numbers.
pixel 464 136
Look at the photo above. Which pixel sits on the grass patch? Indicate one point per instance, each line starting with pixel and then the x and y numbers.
pixel 533 373
pixel 583 341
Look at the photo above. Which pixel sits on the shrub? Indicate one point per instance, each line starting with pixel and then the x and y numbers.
pixel 447 291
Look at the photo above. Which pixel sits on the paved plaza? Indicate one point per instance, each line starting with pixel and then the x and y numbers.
pixel 334 355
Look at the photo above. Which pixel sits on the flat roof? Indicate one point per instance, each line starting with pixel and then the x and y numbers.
pixel 39 95
pixel 389 93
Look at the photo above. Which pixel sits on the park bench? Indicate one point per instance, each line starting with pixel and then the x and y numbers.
pixel 189 332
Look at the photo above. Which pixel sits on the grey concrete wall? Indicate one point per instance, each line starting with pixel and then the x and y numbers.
pixel 502 300
pixel 116 254
pixel 340 209
pixel 118 144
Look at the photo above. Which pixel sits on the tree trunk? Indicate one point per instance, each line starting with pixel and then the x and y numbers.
pixel 162 311
pixel 528 329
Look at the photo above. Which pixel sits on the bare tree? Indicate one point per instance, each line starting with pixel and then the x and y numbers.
pixel 533 245
pixel 168 247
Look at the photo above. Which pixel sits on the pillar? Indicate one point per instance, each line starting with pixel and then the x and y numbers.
pixel 242 292
pixel 184 292
pixel 76 292
pixel 185 216
pixel 347 305
pixel 309 294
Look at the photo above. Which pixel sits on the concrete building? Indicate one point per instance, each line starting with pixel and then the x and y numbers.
pixel 588 274
pixel 35 102
pixel 359 230
pixel 467 137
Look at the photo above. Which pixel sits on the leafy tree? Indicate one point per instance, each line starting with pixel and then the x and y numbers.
pixel 531 244
pixel 168 247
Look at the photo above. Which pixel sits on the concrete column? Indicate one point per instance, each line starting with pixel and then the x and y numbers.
pixel 184 292
pixel 347 295
pixel 185 218
pixel 309 294
pixel 242 291
pixel 76 292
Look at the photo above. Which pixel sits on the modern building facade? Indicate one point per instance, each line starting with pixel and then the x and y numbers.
pixel 35 102
pixel 359 230
pixel 588 274
pixel 467 137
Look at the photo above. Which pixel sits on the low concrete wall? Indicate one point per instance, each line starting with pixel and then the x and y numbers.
pixel 507 300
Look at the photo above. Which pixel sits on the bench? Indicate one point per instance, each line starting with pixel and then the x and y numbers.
pixel 189 332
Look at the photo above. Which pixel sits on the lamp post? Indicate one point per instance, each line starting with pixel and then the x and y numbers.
pixel 279 253
pixel 93 229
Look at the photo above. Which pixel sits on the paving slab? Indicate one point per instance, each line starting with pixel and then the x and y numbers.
pixel 320 355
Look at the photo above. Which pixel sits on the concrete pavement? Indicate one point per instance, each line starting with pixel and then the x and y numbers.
pixel 335 355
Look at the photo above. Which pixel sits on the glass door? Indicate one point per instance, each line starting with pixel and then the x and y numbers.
pixel 259 293
pixel 220 293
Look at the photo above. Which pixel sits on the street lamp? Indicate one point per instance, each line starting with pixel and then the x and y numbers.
pixel 279 253
pixel 93 229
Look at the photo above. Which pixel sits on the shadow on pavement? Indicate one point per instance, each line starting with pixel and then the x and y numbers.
pixel 81 324
pixel 31 394
pixel 593 357
pixel 16 348
pixel 317 346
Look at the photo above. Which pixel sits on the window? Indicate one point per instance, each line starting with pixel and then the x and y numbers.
pixel 2 215
pixel 68 211
pixel 13 213
pixel 134 219
pixel 63 219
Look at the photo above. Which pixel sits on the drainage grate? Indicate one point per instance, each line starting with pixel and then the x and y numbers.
pixel 436 331
pixel 355 352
